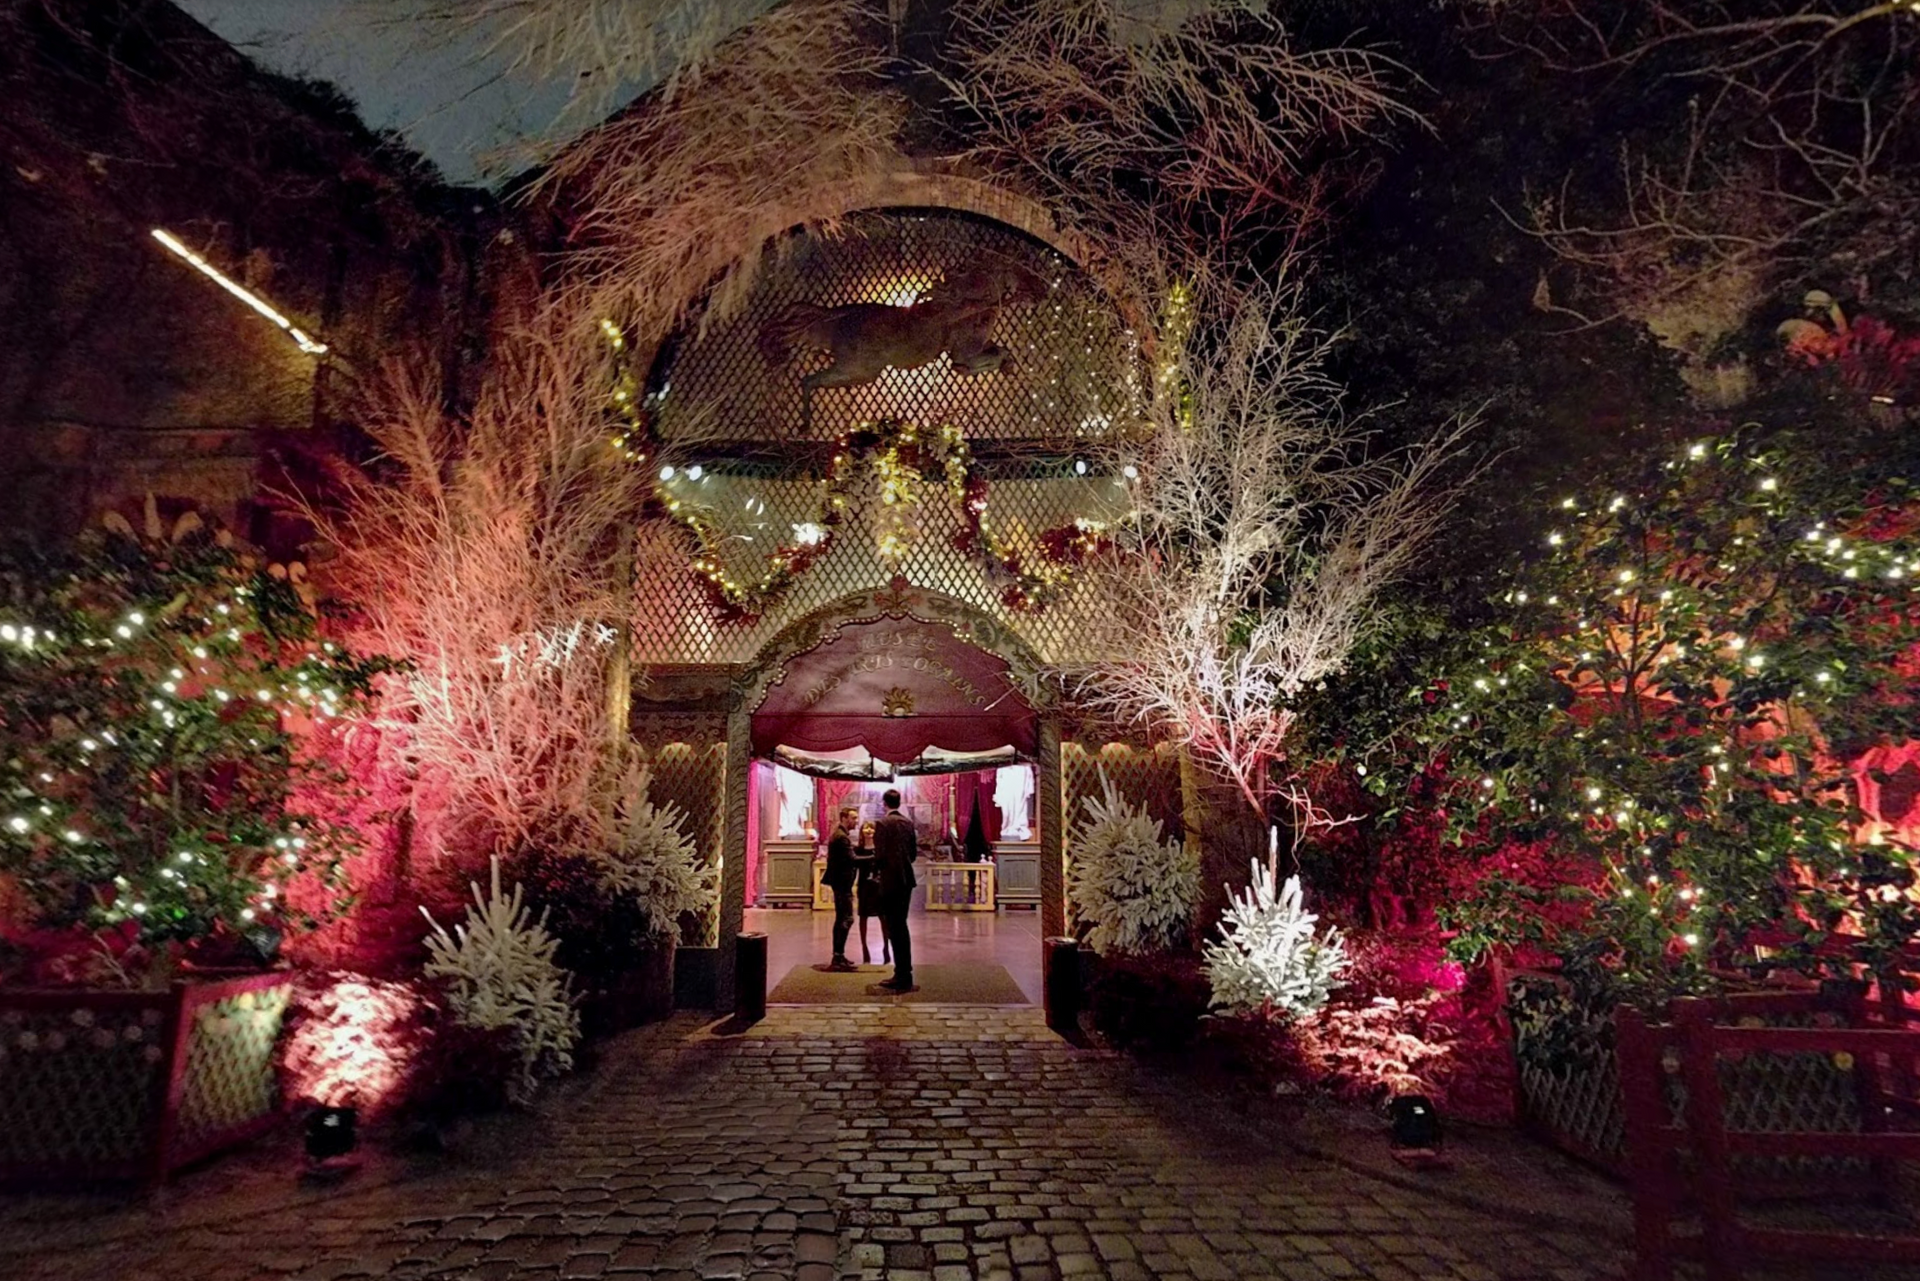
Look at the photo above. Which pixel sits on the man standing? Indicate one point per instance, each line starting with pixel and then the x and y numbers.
pixel 894 848
pixel 839 878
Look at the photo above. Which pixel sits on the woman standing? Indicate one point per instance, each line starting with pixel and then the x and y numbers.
pixel 867 888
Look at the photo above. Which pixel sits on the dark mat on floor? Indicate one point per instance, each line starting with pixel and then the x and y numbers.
pixel 944 983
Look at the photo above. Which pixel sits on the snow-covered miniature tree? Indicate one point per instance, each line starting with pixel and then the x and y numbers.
pixel 650 856
pixel 1133 887
pixel 1268 954
pixel 501 974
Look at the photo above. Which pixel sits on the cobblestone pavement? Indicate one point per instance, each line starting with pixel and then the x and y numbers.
pixel 849 1142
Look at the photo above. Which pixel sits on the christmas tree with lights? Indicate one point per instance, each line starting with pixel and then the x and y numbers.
pixel 161 798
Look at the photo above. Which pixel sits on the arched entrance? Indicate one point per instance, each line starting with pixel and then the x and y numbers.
pixel 910 678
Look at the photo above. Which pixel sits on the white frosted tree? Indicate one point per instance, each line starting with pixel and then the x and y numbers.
pixel 501 973
pixel 1269 955
pixel 648 854
pixel 1132 886
pixel 1267 521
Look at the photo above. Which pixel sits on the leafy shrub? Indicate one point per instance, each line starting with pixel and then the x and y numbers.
pixel 1268 956
pixel 1135 889
pixel 392 1050
pixel 154 781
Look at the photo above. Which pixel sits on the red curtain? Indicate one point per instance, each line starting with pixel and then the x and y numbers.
pixel 966 787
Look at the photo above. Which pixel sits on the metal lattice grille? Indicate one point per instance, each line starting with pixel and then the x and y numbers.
pixel 1069 366
pixel 230 1078
pixel 1073 373
pixel 691 776
pixel 1146 777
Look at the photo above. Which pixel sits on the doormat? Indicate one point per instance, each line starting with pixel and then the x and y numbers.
pixel 942 983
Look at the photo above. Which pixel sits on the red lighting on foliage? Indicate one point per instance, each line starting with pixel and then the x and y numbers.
pixel 352 1046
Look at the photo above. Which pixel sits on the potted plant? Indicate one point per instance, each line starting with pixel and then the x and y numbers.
pixel 162 821
pixel 615 894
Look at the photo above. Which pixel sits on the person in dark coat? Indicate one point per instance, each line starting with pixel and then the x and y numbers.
pixel 869 895
pixel 838 877
pixel 894 849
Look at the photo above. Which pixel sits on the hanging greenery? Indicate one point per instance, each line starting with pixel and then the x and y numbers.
pixel 903 458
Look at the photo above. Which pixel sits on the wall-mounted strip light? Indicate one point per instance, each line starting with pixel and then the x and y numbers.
pixel 309 345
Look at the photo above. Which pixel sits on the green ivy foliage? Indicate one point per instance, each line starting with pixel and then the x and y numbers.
pixel 152 785
pixel 1672 691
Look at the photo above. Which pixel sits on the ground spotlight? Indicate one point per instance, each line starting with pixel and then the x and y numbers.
pixel 331 1133
pixel 1413 1128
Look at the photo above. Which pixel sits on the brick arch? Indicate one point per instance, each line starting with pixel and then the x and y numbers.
pixel 937 184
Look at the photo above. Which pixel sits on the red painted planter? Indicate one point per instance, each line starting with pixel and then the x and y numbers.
pixel 114 1085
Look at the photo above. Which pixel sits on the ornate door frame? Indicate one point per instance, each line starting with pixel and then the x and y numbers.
pixel 898 600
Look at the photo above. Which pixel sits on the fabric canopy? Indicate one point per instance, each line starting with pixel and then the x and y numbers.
pixel 895 687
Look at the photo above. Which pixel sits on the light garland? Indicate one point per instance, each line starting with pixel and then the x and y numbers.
pixel 1673 603
pixel 901 459
pixel 191 667
pixel 312 346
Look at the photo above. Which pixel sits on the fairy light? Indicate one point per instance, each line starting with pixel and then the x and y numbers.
pixel 307 344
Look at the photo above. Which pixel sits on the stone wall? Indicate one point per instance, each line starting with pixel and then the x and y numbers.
pixel 122 369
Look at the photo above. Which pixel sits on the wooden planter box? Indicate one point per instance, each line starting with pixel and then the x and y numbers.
pixel 643 994
pixel 105 1085
pixel 1580 1108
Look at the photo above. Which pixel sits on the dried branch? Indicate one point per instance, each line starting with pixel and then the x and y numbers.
pixel 1796 151
pixel 691 187
pixel 604 46
pixel 1265 527
pixel 1142 129
pixel 482 551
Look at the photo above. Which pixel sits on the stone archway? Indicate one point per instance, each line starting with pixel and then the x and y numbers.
pixel 898 602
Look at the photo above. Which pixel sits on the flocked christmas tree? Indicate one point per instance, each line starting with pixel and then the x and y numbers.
pixel 1268 956
pixel 155 689
pixel 1135 889
pixel 501 973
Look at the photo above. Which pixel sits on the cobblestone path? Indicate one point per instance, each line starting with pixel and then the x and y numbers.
pixel 848 1142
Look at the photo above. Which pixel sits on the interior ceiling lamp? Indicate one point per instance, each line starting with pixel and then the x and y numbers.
pixel 311 346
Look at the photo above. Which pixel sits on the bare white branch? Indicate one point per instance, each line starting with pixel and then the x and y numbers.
pixel 483 550
pixel 1267 524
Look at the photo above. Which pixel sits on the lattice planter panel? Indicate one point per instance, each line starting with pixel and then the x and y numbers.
pixel 131 1085
pixel 1578 1106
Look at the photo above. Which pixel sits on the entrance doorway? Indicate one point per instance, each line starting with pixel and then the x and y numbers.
pixel 907 704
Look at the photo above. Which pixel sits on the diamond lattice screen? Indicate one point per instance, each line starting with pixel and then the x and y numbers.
pixel 687 762
pixel 230 1076
pixel 1148 777
pixel 1071 373
pixel 77 1084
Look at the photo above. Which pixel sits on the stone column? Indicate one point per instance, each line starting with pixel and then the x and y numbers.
pixel 733 849
pixel 1050 784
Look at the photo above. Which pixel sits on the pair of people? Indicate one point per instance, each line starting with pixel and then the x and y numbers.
pixel 895 847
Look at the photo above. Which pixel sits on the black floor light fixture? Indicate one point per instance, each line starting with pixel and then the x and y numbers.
pixel 1413 1130
pixel 331 1133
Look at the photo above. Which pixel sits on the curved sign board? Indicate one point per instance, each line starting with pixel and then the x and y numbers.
pixel 896 686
